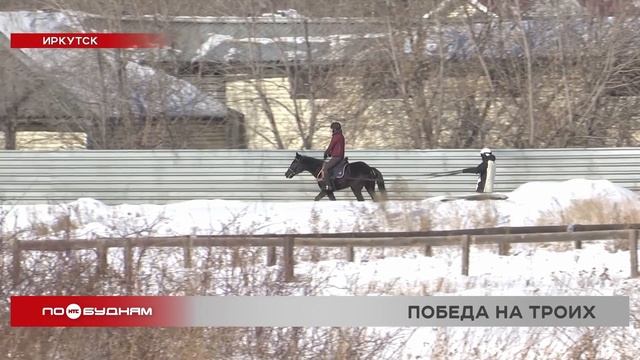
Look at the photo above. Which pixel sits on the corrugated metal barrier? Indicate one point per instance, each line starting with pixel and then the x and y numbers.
pixel 140 176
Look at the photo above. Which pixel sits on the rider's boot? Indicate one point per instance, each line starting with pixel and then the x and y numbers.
pixel 330 184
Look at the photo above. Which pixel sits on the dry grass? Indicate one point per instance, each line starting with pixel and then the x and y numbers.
pixel 215 271
pixel 219 271
pixel 487 216
pixel 242 271
pixel 594 211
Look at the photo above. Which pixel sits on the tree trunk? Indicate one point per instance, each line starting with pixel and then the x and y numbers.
pixel 9 133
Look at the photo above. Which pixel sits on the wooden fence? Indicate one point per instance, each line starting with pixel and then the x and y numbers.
pixel 502 236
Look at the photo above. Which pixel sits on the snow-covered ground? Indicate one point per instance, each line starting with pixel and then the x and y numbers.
pixel 527 205
pixel 600 268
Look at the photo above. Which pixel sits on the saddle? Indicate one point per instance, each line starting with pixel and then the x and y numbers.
pixel 340 170
pixel 337 172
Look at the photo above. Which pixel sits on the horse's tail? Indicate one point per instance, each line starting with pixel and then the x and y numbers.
pixel 379 180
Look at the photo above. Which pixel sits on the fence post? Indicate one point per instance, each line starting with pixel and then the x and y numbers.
pixel 16 260
pixel 503 247
pixel 466 244
pixel 350 254
pixel 271 255
pixel 187 251
pixel 128 265
pixel 428 250
pixel 102 257
pixel 578 243
pixel 633 252
pixel 287 259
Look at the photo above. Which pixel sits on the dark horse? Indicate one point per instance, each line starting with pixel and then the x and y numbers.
pixel 357 175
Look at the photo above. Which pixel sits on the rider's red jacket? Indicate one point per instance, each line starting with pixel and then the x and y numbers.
pixel 336 147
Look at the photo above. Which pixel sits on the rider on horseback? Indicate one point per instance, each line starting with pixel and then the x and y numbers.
pixel 335 151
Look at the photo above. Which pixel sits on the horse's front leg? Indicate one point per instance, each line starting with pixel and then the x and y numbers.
pixel 320 195
pixel 331 196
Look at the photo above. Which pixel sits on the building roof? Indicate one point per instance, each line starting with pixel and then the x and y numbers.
pixel 91 75
pixel 277 39
pixel 286 39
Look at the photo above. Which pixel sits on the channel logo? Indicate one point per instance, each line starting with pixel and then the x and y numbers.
pixel 99 311
pixel 74 311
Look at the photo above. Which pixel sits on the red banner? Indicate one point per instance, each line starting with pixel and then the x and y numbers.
pixel 98 311
pixel 87 40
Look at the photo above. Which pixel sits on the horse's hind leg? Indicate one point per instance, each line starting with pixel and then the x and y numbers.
pixel 320 195
pixel 371 189
pixel 358 193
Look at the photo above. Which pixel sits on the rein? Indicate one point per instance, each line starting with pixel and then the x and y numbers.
pixel 440 174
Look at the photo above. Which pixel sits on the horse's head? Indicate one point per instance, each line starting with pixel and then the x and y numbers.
pixel 295 168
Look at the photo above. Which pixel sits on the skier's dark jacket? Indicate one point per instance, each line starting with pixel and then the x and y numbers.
pixel 482 170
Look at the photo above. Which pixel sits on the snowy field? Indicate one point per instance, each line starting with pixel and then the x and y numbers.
pixel 600 268
pixel 530 204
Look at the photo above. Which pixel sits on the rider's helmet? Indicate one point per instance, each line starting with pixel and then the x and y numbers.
pixel 335 126
pixel 485 151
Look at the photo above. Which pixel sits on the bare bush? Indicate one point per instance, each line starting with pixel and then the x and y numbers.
pixel 599 210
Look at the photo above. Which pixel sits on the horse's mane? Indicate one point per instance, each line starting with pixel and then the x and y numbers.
pixel 308 159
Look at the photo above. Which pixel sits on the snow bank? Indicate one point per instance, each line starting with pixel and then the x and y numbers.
pixel 540 194
pixel 204 217
pixel 593 270
pixel 533 199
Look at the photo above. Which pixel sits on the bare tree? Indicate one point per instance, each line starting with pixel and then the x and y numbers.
pixel 121 98
pixel 529 74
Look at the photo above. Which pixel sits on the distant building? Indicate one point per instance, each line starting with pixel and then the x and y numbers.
pixel 101 99
pixel 288 77
pixel 290 74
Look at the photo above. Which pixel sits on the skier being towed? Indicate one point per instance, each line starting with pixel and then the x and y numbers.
pixel 483 169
